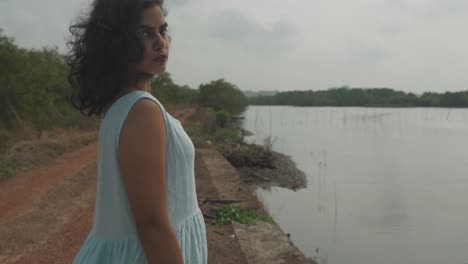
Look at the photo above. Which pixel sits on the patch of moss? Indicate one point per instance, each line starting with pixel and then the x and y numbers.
pixel 239 214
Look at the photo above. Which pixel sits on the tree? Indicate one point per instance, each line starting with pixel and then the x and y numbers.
pixel 33 87
pixel 164 88
pixel 222 95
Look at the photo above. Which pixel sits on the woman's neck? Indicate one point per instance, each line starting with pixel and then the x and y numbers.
pixel 140 82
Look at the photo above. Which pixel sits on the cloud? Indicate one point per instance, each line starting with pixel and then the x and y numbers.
pixel 175 3
pixel 431 9
pixel 34 24
pixel 413 45
pixel 236 29
pixel 362 52
pixel 391 30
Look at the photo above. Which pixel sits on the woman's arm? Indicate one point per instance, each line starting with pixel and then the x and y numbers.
pixel 142 157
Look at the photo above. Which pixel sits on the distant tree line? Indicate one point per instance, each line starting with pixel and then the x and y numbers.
pixel 374 97
pixel 34 91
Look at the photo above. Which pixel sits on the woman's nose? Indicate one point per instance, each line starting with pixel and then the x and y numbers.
pixel 159 42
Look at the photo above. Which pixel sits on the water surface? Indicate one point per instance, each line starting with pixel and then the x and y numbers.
pixel 386 185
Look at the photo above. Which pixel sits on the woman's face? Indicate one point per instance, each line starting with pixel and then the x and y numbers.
pixel 153 34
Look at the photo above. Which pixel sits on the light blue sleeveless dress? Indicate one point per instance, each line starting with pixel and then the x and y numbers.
pixel 113 238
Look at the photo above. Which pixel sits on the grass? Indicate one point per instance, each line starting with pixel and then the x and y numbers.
pixel 227 134
pixel 8 170
pixel 195 131
pixel 4 136
pixel 87 141
pixel 28 151
pixel 199 134
pixel 239 214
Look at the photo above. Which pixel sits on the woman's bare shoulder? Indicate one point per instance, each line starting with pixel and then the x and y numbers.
pixel 144 126
pixel 145 109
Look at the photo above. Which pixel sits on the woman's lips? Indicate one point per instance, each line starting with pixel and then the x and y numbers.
pixel 161 59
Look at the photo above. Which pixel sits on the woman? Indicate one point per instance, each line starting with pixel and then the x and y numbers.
pixel 146 206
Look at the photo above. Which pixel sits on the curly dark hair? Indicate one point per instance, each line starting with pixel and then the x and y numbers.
pixel 102 46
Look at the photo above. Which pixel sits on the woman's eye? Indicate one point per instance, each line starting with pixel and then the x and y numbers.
pixel 163 31
pixel 147 34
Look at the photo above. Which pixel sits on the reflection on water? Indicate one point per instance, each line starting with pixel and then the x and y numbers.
pixel 385 185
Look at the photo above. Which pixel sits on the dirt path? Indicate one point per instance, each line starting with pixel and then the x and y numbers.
pixel 26 189
pixel 37 205
pixel 46 213
pixel 183 114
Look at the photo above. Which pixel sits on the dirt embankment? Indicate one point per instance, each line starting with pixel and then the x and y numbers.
pixel 261 166
pixel 283 174
pixel 261 242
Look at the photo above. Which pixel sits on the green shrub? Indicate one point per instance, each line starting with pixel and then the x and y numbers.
pixel 4 135
pixel 222 118
pixel 209 121
pixel 222 95
pixel 248 155
pixel 227 135
pixel 239 214
pixel 195 132
pixel 8 170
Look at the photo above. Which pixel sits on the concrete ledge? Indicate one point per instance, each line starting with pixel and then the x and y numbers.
pixel 261 242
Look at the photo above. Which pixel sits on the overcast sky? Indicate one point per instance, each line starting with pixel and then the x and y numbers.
pixel 410 45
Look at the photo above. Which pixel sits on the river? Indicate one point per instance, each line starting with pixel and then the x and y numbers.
pixel 385 185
